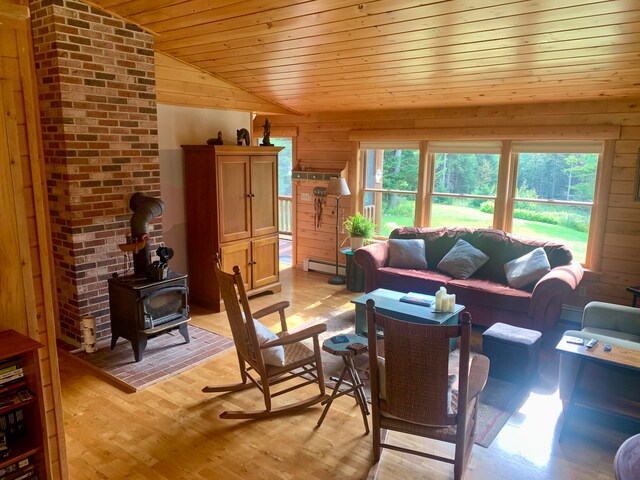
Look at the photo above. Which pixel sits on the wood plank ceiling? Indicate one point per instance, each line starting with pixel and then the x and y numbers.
pixel 338 55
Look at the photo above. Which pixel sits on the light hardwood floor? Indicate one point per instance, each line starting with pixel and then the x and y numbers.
pixel 171 430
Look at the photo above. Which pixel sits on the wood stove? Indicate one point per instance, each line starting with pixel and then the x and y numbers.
pixel 142 308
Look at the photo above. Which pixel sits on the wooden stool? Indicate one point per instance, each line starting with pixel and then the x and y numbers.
pixel 627 460
pixel 355 384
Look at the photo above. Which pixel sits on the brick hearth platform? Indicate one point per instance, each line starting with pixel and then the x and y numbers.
pixel 165 356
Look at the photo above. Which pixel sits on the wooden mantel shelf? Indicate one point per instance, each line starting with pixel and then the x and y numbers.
pixel 315 173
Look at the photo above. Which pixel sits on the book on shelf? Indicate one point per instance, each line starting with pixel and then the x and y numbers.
pixel 417 299
pixel 9 366
pixel 11 376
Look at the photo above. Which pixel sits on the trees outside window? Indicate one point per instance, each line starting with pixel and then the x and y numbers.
pixel 391 182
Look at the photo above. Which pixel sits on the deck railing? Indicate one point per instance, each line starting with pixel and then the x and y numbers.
pixel 284 214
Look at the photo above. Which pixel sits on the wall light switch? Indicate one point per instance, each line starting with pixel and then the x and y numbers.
pixel 305 197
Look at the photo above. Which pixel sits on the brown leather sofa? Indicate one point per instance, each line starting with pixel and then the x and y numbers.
pixel 486 294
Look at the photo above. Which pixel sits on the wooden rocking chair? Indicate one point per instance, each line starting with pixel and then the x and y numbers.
pixel 411 387
pixel 299 363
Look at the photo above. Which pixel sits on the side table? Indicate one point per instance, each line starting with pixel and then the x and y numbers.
pixel 355 274
pixel 354 383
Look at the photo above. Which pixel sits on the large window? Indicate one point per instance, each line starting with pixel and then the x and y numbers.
pixel 464 184
pixel 390 185
pixel 554 191
pixel 547 189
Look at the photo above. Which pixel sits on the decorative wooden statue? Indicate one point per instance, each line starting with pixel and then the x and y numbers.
pixel 267 133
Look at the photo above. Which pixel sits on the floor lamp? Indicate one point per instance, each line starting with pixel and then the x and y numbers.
pixel 338 187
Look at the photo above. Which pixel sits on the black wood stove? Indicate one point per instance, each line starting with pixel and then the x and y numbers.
pixel 153 300
pixel 142 308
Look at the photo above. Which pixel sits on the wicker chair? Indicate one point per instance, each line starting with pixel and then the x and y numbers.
pixel 411 391
pixel 300 362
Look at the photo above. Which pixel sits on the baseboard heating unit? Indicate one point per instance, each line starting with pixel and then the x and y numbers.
pixel 321 266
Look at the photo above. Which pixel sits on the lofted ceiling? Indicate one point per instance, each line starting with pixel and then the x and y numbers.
pixel 338 55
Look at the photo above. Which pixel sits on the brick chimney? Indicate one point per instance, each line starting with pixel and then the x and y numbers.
pixel 96 83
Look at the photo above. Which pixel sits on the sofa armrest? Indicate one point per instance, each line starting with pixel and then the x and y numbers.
pixel 370 259
pixel 551 291
pixel 610 316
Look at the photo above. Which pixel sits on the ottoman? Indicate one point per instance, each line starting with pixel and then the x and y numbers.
pixel 512 351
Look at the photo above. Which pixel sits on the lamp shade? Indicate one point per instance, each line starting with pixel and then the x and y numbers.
pixel 338 186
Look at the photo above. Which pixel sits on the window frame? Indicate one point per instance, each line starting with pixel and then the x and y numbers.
pixel 506 198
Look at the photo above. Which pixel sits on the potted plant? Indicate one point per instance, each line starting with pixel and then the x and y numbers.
pixel 359 228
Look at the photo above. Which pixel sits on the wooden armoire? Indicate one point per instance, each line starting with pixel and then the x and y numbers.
pixel 232 209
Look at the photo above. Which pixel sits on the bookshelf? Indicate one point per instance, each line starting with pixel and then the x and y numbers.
pixel 21 408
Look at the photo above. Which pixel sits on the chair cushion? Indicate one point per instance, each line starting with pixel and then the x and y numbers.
pixel 271 355
pixel 527 269
pixel 462 260
pixel 407 254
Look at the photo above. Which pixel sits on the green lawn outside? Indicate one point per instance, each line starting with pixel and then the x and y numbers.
pixel 451 215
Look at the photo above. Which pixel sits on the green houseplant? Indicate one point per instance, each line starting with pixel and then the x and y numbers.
pixel 359 229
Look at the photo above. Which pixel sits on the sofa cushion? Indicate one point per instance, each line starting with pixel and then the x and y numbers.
pixel 489 294
pixel 407 253
pixel 408 280
pixel 462 260
pixel 527 269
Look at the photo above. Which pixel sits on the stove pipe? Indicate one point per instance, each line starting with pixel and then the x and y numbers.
pixel 145 209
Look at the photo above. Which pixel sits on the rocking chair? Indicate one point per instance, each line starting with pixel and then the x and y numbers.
pixel 288 358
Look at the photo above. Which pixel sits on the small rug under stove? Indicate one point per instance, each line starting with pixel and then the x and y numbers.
pixel 165 356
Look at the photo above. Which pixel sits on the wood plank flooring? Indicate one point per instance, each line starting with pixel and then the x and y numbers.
pixel 172 431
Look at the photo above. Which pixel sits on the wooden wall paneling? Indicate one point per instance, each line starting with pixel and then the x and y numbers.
pixel 600 205
pixel 30 228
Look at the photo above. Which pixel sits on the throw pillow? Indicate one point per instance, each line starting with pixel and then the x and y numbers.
pixel 407 254
pixel 272 355
pixel 462 260
pixel 527 269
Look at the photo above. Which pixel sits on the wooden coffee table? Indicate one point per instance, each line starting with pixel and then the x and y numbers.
pixel 618 357
pixel 388 303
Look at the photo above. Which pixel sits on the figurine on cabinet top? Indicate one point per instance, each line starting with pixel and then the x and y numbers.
pixel 267 133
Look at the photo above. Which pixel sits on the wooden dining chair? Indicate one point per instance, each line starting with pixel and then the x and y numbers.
pixel 267 359
pixel 411 388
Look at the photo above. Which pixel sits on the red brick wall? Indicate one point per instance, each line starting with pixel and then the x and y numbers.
pixel 98 106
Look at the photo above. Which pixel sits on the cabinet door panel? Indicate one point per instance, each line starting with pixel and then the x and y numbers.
pixel 265 256
pixel 238 254
pixel 233 197
pixel 264 199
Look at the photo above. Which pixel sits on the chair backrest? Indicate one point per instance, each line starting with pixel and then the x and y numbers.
pixel 238 311
pixel 416 368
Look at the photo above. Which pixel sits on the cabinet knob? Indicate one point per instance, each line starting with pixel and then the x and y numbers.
pixel 252 263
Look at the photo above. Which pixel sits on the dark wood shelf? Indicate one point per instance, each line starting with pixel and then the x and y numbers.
pixel 19 450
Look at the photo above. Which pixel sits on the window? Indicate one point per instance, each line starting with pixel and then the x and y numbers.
pixel 465 183
pixel 554 191
pixel 390 185
pixel 547 187
pixel 285 161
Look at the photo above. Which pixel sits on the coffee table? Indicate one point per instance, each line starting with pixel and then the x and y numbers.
pixel 388 303
pixel 618 357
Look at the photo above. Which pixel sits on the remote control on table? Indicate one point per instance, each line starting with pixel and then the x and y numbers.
pixel 591 343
